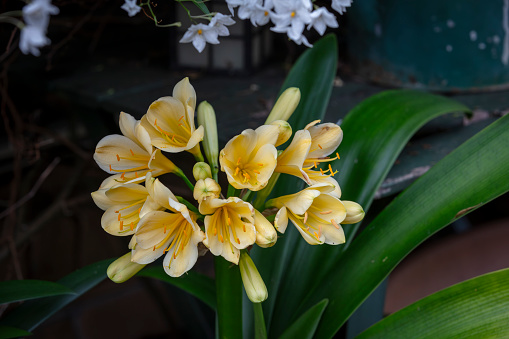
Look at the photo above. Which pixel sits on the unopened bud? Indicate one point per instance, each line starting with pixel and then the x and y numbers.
pixel 123 269
pixel 266 235
pixel 253 282
pixel 285 131
pixel 207 119
pixel 354 212
pixel 285 105
pixel 201 170
pixel 205 188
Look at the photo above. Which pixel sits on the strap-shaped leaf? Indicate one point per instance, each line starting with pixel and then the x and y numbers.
pixel 476 308
pixel 229 299
pixel 313 74
pixel 375 132
pixel 7 332
pixel 470 176
pixel 199 285
pixel 32 313
pixel 305 326
pixel 17 290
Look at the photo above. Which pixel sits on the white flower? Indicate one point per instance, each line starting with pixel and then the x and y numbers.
pixel 321 18
pixel 303 41
pixel 31 39
pixel 37 14
pixel 291 16
pixel 131 7
pixel 341 5
pixel 200 34
pixel 261 14
pixel 220 21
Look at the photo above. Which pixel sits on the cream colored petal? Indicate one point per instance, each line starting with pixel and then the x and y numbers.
pixel 325 139
pixel 132 242
pixel 324 179
pixel 300 227
pixel 241 207
pixel 185 260
pixel 325 203
pixel 245 232
pixel 143 138
pixel 127 124
pixel 216 247
pixel 168 111
pixel 127 193
pixel 111 223
pixel 264 162
pixel 210 205
pixel 151 228
pixel 195 138
pixel 101 200
pixel 160 193
pixel 267 134
pixel 266 235
pixel 128 177
pixel 185 93
pixel 160 164
pixel 284 131
pixel 333 236
pixel 281 220
pixel 298 202
pixel 109 182
pixel 150 205
pixel 115 151
pixel 297 151
pixel 354 212
pixel 146 255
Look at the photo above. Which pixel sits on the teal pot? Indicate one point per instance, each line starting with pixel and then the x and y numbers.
pixel 446 45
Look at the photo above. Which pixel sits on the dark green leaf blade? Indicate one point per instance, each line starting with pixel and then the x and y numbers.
pixel 476 308
pixel 472 175
pixel 7 332
pixel 375 132
pixel 199 285
pixel 32 313
pixel 17 290
pixel 229 299
pixel 313 74
pixel 305 326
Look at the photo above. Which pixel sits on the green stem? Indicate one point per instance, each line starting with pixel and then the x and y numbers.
pixel 259 322
pixel 264 193
pixel 232 192
pixel 229 299
pixel 188 205
pixel 186 180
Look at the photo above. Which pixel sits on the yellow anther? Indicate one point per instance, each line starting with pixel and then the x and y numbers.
pixel 334 223
pixel 320 146
pixel 244 227
pixel 215 231
pixel 326 212
pixel 119 216
pixel 237 171
pixel 122 176
pixel 257 172
pixel 316 236
pixel 131 152
pixel 338 156
pixel 132 225
pixel 229 221
pixel 314 162
pixel 238 241
pixel 305 217
pixel 121 225
pixel 320 231
pixel 221 238
pixel 200 32
pixel 260 164
pixel 321 171
pixel 118 157
pixel 292 14
pixel 238 161
pixel 164 231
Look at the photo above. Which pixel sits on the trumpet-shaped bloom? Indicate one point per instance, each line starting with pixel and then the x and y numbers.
pixel 124 205
pixel 170 121
pixel 308 148
pixel 229 226
pixel 130 156
pixel 249 159
pixel 316 214
pixel 175 234
pixel 266 235
pixel 206 188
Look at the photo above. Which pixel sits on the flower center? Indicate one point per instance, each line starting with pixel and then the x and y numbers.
pixel 175 139
pixel 292 14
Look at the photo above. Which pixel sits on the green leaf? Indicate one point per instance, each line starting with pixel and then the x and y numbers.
pixel 7 332
pixel 305 326
pixel 313 74
pixel 470 176
pixel 476 308
pixel 17 290
pixel 32 313
pixel 199 285
pixel 201 5
pixel 229 299
pixel 375 132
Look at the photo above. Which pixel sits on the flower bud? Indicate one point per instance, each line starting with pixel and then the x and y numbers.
pixel 201 170
pixel 123 269
pixel 285 131
pixel 205 188
pixel 354 212
pixel 207 119
pixel 285 105
pixel 253 282
pixel 266 235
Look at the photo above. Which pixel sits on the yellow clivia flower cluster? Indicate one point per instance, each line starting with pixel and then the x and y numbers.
pixel 162 224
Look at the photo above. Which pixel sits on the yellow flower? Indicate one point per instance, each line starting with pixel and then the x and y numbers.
pixel 266 235
pixel 124 205
pixel 354 212
pixel 130 156
pixel 249 159
pixel 170 121
pixel 123 269
pixel 159 232
pixel 285 105
pixel 310 147
pixel 229 226
pixel 316 214
pixel 206 188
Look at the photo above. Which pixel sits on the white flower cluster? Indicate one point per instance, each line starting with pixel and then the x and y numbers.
pixel 33 34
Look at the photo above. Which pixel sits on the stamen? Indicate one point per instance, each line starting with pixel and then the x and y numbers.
pixel 118 157
pixel 331 170
pixel 238 241
pixel 122 176
pixel 260 164
pixel 326 212
pixel 121 225
pixel 314 162
pixel 319 231
pixel 257 172
pixel 154 248
pixel 244 227
pixel 338 156
pixel 316 236
pixel 132 225
pixel 111 169
pixel 164 231
pixel 215 231
pixel 221 238
pixel 321 171
pixel 334 223
pixel 118 216
pixel 229 222
pixel 131 152
pixel 238 161
pixel 237 171
pixel 136 174
pixel 320 146
pixel 305 217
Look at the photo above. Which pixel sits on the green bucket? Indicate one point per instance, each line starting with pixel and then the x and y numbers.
pixel 445 45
